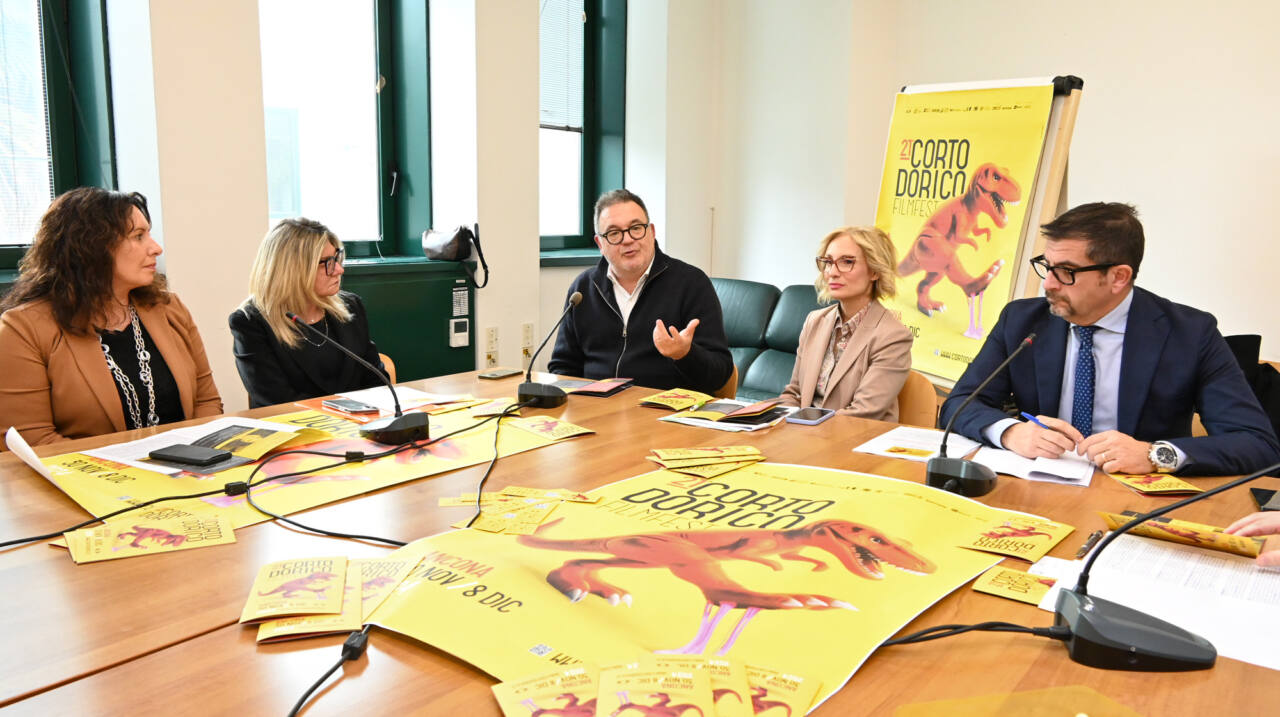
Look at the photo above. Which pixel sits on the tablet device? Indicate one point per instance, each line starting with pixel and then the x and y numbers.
pixel 189 455
pixel 347 405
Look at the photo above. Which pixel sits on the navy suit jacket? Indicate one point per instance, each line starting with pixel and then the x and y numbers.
pixel 1174 362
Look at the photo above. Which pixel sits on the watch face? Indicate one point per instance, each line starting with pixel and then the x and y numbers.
pixel 1166 456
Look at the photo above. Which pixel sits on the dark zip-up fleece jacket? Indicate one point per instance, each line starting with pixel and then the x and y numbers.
pixel 593 343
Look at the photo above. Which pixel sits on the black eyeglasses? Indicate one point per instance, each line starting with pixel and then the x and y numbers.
pixel 331 263
pixel 845 263
pixel 635 231
pixel 1064 274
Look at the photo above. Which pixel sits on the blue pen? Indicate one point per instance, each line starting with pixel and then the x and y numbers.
pixel 1035 420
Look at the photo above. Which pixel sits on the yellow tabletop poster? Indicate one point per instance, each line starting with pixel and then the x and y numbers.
pixel 101 486
pixel 800 568
pixel 959 171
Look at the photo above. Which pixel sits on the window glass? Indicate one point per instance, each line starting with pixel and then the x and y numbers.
pixel 26 170
pixel 319 88
pixel 560 95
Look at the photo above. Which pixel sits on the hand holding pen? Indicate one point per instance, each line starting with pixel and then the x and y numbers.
pixel 1041 436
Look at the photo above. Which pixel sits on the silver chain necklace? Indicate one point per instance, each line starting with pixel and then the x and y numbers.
pixel 144 372
pixel 324 325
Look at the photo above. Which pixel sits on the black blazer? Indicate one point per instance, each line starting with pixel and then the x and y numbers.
pixel 274 373
pixel 1174 362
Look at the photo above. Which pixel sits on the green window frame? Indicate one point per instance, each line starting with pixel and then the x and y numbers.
pixel 604 112
pixel 78 92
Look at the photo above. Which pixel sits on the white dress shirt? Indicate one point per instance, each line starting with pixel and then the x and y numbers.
pixel 627 300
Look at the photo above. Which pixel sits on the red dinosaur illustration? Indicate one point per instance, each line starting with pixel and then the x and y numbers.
pixel 1184 533
pixel 313 583
pixel 161 537
pixel 371 586
pixel 1009 530
pixel 953 225
pixel 695 558
pixel 661 707
pixel 570 708
pixel 1147 479
pixel 716 695
pixel 759 704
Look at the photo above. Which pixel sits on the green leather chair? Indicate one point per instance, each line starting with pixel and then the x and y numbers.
pixel 747 306
pixel 769 373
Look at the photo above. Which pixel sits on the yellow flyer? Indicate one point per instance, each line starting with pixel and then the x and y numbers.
pixel 647 689
pixel 959 171
pixel 711 470
pixel 1156 484
pixel 1025 537
pixel 765 565
pixel 666 455
pixel 677 399
pixel 304 626
pixel 1014 584
pixel 101 486
pixel 677 463
pixel 557 493
pixel 127 537
pixel 569 692
pixel 552 428
pixel 306 586
pixel 771 689
pixel 378 577
pixel 1187 533
pixel 729 692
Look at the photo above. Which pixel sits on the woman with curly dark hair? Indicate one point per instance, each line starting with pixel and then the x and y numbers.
pixel 91 340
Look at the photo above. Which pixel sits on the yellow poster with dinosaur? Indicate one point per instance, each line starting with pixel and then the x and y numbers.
pixel 803 569
pixel 101 486
pixel 958 171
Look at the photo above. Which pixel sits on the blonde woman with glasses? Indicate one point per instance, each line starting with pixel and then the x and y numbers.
pixel 299 270
pixel 854 355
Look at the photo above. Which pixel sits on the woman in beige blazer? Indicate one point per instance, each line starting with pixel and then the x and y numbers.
pixel 91 341
pixel 854 355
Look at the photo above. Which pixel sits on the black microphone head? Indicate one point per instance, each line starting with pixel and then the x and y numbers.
pixel 575 298
pixel 292 317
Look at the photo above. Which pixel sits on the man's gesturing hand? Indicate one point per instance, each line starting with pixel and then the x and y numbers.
pixel 671 343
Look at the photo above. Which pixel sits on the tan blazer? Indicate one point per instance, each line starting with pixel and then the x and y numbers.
pixel 55 385
pixel 866 380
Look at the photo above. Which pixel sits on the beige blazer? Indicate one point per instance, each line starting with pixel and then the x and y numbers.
pixel 870 373
pixel 55 385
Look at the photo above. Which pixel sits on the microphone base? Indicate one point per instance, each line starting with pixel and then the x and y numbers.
pixel 541 395
pixel 1111 636
pixel 958 475
pixel 397 430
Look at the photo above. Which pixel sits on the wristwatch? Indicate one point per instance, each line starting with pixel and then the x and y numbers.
pixel 1163 456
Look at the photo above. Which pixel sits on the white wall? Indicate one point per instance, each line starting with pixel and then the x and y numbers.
pixel 211 162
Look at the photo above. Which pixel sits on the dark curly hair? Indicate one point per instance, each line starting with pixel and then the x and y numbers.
pixel 72 260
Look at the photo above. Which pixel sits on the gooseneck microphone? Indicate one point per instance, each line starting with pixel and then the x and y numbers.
pixel 392 431
pixel 1114 637
pixel 544 395
pixel 958 475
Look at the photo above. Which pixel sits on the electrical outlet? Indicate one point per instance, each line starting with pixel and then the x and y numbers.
pixel 528 357
pixel 526 338
pixel 490 359
pixel 491 339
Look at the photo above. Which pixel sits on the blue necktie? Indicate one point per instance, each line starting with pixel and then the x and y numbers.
pixel 1082 399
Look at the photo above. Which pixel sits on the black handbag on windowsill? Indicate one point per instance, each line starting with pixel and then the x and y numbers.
pixel 457 246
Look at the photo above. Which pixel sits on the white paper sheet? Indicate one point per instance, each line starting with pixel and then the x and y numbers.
pixel 132 453
pixel 916 439
pixel 1070 469
pixel 379 397
pixel 1226 599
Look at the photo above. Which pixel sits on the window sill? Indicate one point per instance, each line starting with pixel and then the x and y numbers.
pixel 398 265
pixel 568 257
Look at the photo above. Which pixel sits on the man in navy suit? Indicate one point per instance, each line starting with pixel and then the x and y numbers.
pixel 1115 372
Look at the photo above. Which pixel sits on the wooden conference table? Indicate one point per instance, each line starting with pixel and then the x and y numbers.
pixel 159 635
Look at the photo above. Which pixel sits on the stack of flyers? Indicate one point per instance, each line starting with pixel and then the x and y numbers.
pixel 549 427
pixel 706 462
pixel 1027 537
pixel 771 688
pixel 369 581
pixel 302 586
pixel 1187 533
pixel 1014 584
pixel 517 510
pixel 1156 484
pixel 570 691
pixel 126 537
pixel 648 689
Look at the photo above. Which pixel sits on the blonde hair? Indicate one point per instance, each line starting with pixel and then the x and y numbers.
pixel 881 260
pixel 283 277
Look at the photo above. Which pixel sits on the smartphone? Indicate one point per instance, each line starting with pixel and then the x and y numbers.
pixel 347 405
pixel 501 373
pixel 811 416
pixel 189 455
